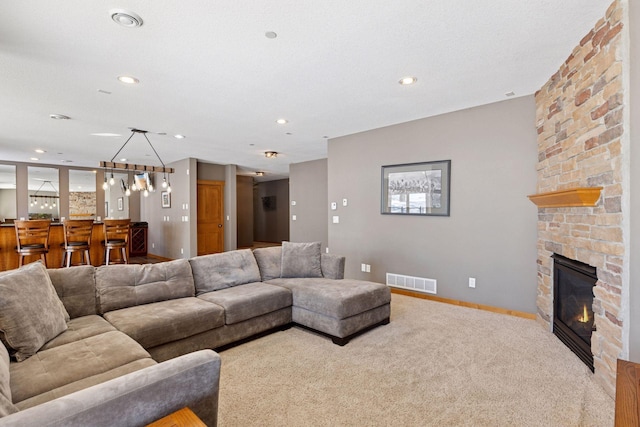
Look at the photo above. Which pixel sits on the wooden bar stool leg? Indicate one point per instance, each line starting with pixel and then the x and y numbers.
pixel 87 257
pixel 43 257
pixel 124 254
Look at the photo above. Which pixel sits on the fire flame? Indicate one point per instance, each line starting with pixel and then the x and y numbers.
pixel 585 316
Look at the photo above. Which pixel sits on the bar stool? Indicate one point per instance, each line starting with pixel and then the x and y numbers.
pixel 116 236
pixel 32 238
pixel 77 238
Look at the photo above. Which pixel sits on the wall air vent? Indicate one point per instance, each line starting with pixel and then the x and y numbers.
pixel 412 283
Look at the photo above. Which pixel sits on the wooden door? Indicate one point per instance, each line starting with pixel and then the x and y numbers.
pixel 210 217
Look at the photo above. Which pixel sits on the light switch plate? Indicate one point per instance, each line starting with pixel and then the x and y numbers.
pixel 344 202
pixel 294 217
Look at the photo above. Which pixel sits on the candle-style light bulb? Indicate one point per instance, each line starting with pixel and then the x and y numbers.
pixel 112 180
pixel 105 185
pixel 127 193
pixel 146 193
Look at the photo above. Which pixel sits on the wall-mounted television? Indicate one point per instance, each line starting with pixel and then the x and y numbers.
pixel 143 181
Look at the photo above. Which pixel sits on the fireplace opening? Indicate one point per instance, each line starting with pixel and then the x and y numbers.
pixel 573 284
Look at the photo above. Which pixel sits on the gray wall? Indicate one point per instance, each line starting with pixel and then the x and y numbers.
pixel 244 189
pixel 491 233
pixel 8 205
pixel 271 225
pixel 172 231
pixel 309 190
pixel 634 127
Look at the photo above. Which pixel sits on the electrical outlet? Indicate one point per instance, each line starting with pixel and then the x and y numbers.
pixel 472 282
pixel 294 217
pixel 336 219
pixel 334 206
pixel 344 202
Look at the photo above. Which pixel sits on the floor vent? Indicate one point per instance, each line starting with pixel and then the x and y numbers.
pixel 418 284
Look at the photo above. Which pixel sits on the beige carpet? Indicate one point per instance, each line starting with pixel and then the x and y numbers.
pixel 434 365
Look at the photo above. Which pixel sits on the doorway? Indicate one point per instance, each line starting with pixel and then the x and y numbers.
pixel 210 228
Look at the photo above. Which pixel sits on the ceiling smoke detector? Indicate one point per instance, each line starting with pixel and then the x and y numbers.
pixel 126 18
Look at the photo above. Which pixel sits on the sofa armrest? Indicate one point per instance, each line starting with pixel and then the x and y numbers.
pixel 332 266
pixel 135 399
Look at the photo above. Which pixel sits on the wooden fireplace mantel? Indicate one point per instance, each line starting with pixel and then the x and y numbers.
pixel 582 196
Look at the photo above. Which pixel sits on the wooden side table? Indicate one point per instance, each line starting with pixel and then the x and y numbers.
pixel 182 418
pixel 627 394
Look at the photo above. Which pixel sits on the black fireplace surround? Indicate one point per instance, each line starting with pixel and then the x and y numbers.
pixel 573 284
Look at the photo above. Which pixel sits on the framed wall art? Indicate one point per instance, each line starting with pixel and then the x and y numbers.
pixel 416 188
pixel 166 199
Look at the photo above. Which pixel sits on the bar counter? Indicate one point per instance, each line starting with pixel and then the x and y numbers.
pixel 9 257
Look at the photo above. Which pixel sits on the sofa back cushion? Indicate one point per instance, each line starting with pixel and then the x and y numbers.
pixel 301 260
pixel 76 288
pixel 30 311
pixel 121 286
pixel 223 270
pixel 6 407
pixel 269 262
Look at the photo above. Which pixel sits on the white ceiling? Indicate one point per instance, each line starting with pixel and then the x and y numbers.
pixel 207 71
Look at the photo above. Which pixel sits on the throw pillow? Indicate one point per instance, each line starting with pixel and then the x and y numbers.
pixel 301 259
pixel 31 312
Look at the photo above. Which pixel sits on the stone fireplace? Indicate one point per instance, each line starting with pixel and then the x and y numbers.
pixel 583 146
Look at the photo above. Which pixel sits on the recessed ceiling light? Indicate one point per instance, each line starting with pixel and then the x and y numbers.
pixel 258 173
pixel 325 137
pixel 59 117
pixel 281 121
pixel 288 133
pixel 179 136
pixel 106 92
pixel 125 18
pixel 123 159
pixel 271 154
pixel 408 80
pixel 39 151
pixel 512 93
pixel 35 159
pixel 270 35
pixel 67 161
pixel 128 80
pixel 106 134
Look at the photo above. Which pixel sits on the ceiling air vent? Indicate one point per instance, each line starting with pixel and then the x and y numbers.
pixel 126 18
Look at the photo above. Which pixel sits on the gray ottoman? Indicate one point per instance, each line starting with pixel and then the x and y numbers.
pixel 340 309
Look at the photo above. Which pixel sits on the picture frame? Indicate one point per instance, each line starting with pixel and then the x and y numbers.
pixel 120 203
pixel 422 189
pixel 166 199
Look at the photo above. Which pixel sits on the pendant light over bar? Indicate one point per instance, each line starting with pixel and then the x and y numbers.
pixel 138 169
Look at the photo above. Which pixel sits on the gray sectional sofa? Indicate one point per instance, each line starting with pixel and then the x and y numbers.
pixel 135 341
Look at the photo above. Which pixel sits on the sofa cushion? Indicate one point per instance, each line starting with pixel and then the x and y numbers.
pixel 336 298
pixel 269 262
pixel 30 311
pixel 121 286
pixel 301 260
pixel 166 321
pixel 248 301
pixel 86 382
pixel 6 407
pixel 76 288
pixel 79 329
pixel 223 270
pixel 81 359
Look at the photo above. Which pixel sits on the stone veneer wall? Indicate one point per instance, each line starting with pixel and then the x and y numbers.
pixel 82 205
pixel 581 143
